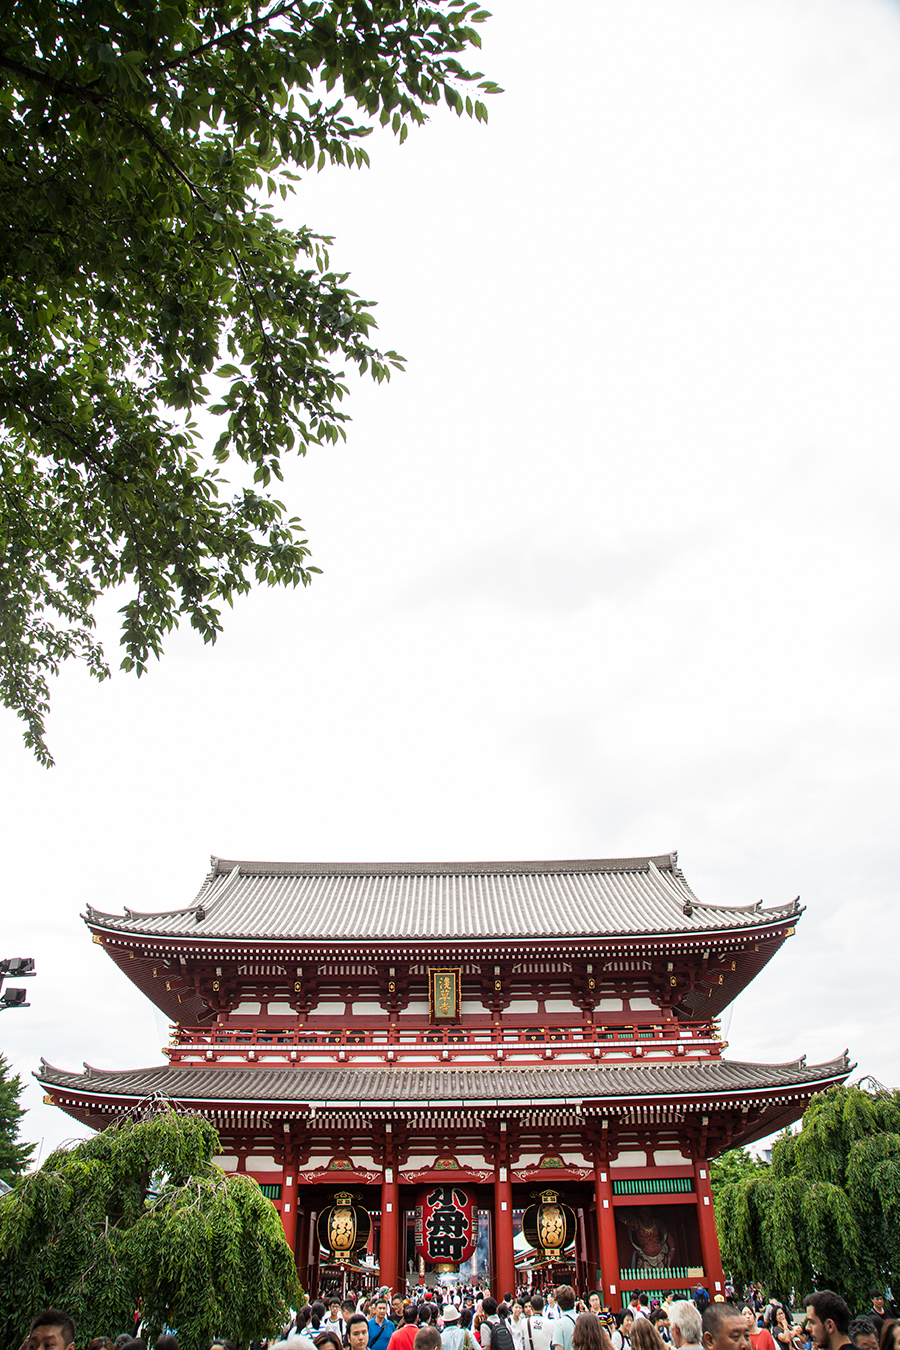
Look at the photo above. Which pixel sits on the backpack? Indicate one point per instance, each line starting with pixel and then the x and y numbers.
pixel 501 1336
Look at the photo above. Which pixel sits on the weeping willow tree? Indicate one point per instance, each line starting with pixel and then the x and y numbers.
pixel 140 1215
pixel 826 1213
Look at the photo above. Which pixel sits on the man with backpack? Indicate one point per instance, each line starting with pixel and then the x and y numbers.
pixel 501 1338
pixel 489 1320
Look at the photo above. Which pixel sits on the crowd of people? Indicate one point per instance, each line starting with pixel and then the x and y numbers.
pixel 464 1319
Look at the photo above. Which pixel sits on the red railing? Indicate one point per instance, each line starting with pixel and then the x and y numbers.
pixel 396 1043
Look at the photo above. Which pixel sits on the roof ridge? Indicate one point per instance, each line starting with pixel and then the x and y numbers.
pixel 663 861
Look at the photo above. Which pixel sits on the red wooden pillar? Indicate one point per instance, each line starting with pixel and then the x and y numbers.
pixel 492 1249
pixel 706 1218
pixel 586 1276
pixel 503 1226
pixel 581 1262
pixel 606 1234
pixel 593 1248
pixel 301 1251
pixel 401 1250
pixel 289 1200
pixel 390 1221
pixel 313 1248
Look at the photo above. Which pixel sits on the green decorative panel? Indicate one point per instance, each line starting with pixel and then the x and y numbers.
pixel 650 1275
pixel 654 1186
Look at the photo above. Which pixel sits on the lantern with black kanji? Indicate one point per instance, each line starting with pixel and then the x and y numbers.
pixel 549 1225
pixel 445 1228
pixel 343 1227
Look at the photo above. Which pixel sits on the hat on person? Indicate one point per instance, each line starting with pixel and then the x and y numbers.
pixel 451 1312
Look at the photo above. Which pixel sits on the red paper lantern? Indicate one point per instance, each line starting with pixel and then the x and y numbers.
pixel 446 1232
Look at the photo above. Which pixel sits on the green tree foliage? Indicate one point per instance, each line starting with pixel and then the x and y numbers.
pixel 827 1211
pixel 14 1157
pixel 143 277
pixel 734 1165
pixel 140 1213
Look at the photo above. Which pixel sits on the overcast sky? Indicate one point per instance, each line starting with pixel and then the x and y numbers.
pixel 611 570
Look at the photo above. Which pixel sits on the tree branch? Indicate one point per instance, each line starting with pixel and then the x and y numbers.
pixel 201 197
pixel 58 86
pixel 253 25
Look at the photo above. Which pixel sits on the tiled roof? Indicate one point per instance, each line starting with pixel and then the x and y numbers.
pixel 339 1084
pixel 398 902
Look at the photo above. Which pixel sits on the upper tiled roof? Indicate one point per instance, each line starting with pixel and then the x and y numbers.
pixel 403 1086
pixel 397 902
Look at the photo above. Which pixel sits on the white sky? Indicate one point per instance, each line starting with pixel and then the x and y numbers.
pixel 611 570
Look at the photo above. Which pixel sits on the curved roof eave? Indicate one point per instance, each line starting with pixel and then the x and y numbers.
pixel 684 1081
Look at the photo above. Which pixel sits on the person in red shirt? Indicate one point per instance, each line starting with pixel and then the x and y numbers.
pixel 760 1338
pixel 404 1336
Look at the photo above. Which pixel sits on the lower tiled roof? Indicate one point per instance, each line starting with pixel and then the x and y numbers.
pixel 387 1086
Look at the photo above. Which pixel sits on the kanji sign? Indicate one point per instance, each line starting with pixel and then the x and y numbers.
pixel 444 993
pixel 444 1228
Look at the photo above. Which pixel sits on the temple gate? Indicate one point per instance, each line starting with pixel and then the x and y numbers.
pixel 371 1039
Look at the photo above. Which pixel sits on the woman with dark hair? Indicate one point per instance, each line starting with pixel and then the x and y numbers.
pixel 621 1337
pixel 760 1338
pixel 783 1330
pixel 644 1335
pixel 589 1334
pixel 317 1315
pixel 328 1340
pixel 659 1318
pixel 890 1336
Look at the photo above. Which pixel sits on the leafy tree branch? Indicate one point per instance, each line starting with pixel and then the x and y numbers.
pixel 140 1214
pixel 826 1214
pixel 140 260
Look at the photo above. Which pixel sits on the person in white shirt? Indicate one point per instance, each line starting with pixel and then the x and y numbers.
pixel 564 1325
pixel 621 1337
pixel 489 1309
pixel 453 1336
pixel 538 1328
pixel 516 1325
pixel 334 1322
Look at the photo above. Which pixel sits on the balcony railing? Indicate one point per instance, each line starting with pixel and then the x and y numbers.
pixel 394 1044
pixel 648 1275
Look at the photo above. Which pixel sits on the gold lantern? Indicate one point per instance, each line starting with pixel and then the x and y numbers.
pixel 549 1225
pixel 344 1226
